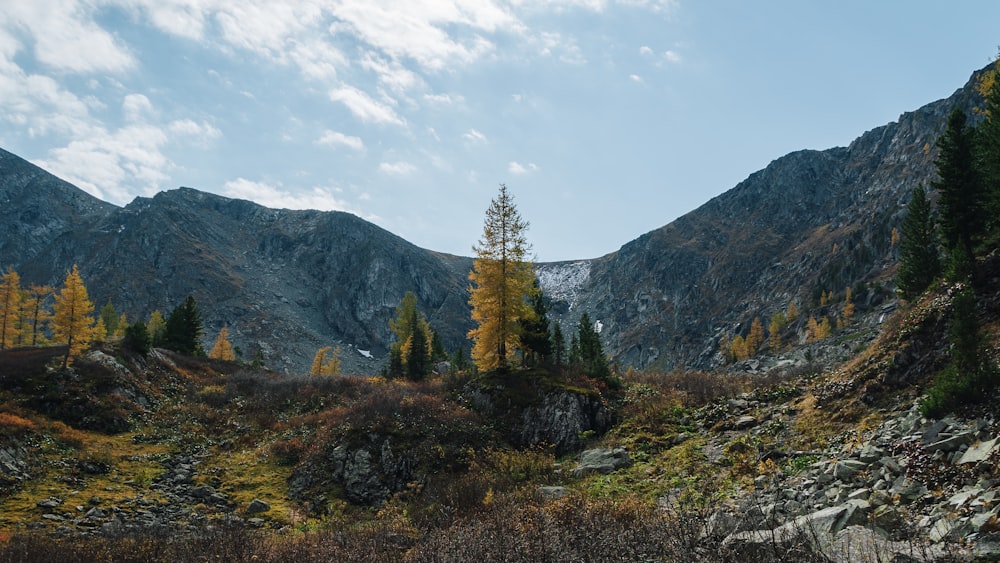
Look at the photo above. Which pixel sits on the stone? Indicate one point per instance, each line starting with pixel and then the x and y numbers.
pixel 602 460
pixel 951 443
pixel 908 489
pixel 552 492
pixel 257 506
pixel 745 422
pixel 49 503
pixel 95 513
pixel 887 517
pixel 978 453
pixel 202 492
pixel 871 453
pixel 845 469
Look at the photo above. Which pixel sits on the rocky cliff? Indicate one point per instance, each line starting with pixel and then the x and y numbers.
pixel 286 282
pixel 810 222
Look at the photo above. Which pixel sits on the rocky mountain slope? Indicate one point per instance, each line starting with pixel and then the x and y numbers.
pixel 810 222
pixel 288 282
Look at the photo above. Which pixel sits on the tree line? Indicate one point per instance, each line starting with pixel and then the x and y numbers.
pixel 41 315
pixel 942 245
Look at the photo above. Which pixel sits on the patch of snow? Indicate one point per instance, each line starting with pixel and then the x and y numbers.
pixel 365 353
pixel 598 327
pixel 562 282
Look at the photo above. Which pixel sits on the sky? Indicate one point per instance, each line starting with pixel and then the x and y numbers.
pixel 605 118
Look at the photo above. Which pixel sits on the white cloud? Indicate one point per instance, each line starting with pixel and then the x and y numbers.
pixel 364 107
pixel 136 107
pixel 65 36
pixel 444 99
pixel 672 56
pixel 109 165
pixel 645 51
pixel 518 169
pixel 400 168
pixel 337 139
pixel 276 197
pixel 201 133
pixel 474 136
pixel 635 78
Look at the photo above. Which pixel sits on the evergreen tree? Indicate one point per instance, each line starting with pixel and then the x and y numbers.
pixel 918 252
pixel 183 330
pixel 418 358
pixel 961 200
pixel 137 338
pixel 72 320
pixel 558 346
pixel 988 154
pixel 592 358
pixel 536 341
pixel 10 309
pixel 410 321
pixel 437 348
pixel 501 280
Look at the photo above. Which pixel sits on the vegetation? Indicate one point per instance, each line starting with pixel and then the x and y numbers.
pixel 183 329
pixel 72 320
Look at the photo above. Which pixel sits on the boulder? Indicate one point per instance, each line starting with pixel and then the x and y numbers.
pixel 602 460
pixel 978 453
pixel 257 506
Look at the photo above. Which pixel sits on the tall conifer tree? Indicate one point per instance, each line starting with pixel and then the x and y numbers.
pixel 502 279
pixel 73 321
pixel 918 250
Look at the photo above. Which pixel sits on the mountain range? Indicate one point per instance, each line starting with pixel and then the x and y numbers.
pixel 288 282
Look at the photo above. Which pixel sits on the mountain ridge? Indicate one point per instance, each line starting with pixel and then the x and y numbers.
pixel 287 282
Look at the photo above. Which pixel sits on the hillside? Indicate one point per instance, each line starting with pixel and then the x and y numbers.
pixel 122 454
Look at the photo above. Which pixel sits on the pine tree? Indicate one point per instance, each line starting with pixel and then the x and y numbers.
pixel 183 329
pixel 558 346
pixel 961 200
pixel 501 280
pixel 410 321
pixel 918 252
pixel 418 357
pixel 72 321
pixel 10 309
pixel 988 153
pixel 592 359
pixel 535 338
pixel 137 338
pixel 223 348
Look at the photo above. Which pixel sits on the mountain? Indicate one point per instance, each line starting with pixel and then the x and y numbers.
pixel 287 282
pixel 810 222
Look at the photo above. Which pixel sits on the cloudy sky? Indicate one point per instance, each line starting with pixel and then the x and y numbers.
pixel 605 118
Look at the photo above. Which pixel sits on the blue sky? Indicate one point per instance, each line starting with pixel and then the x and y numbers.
pixel 605 118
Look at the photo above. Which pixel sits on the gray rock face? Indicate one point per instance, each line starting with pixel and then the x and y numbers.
pixel 368 474
pixel 286 282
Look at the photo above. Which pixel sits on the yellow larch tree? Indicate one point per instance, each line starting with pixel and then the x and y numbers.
pixel 502 279
pixel 156 325
pixel 739 349
pixel 223 348
pixel 755 337
pixel 774 330
pixel 793 312
pixel 848 311
pixel 73 321
pixel 10 309
pixel 326 362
